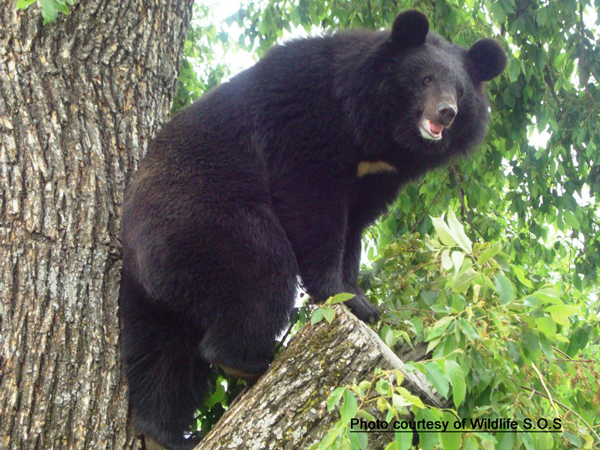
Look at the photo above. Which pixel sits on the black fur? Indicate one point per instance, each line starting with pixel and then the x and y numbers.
pixel 257 183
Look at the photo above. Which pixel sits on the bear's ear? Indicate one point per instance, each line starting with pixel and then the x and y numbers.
pixel 486 59
pixel 410 29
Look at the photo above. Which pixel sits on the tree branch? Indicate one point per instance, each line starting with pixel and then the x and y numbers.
pixel 286 408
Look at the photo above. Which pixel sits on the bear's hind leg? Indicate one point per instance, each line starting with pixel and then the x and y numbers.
pixel 166 375
pixel 260 292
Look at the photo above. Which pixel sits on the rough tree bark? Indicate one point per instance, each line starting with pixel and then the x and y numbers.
pixel 286 408
pixel 79 99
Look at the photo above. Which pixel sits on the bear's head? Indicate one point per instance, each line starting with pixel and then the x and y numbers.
pixel 429 94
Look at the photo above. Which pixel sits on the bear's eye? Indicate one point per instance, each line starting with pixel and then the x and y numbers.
pixel 427 79
pixel 459 93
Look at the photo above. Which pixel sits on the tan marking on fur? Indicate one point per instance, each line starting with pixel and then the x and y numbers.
pixel 151 444
pixel 373 168
pixel 230 371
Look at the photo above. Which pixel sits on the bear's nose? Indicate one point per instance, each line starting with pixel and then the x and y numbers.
pixel 447 112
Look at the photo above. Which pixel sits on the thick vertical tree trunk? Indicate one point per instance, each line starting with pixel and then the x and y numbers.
pixel 79 100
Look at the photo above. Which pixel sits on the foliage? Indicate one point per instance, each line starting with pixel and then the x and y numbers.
pixel 223 391
pixel 201 69
pixel 500 345
pixel 50 8
pixel 324 312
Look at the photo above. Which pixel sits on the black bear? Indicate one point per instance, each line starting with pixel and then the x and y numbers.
pixel 272 176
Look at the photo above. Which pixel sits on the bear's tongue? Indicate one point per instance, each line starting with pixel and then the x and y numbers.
pixel 435 128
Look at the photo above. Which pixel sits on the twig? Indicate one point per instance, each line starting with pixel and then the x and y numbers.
pixel 545 388
pixel 430 204
pixel 576 360
pixel 583 69
pixel 566 408
pixel 463 208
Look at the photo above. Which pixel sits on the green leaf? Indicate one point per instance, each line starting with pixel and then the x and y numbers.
pixel 330 437
pixel 514 70
pixel 429 297
pixel 542 16
pixel 339 298
pixel 364 385
pixel 329 314
pixel 384 388
pixel 549 295
pixel 532 343
pixel 413 399
pixel 467 329
pixel 568 310
pixel 458 302
pixel 571 220
pixel 506 441
pixel 363 440
pixel 433 344
pixel 573 439
pixel 317 316
pixel 399 376
pixel 24 4
pixel 464 280
pixel 561 319
pixel 446 260
pixel 428 441
pixel 457 380
pixel 387 335
pixel 450 441
pixel 349 408
pixel 470 444
pixel 399 402
pixel 458 233
pixel 457 260
pixel 439 327
pixel 521 276
pixel 443 231
pixel 295 17
pixel 219 395
pixel 505 289
pixel 334 398
pixel 547 326
pixel 403 441
pixel 498 12
pixel 488 442
pixel 365 415
pixel 578 340
pixel 49 10
pixel 436 376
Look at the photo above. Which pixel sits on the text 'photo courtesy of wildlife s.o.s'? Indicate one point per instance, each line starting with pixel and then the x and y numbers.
pixel 299 225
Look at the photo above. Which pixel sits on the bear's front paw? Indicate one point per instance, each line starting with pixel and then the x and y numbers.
pixel 363 309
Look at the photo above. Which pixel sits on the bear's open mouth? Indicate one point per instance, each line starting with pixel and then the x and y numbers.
pixel 431 130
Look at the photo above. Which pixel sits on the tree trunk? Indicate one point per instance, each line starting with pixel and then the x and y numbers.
pixel 286 408
pixel 79 100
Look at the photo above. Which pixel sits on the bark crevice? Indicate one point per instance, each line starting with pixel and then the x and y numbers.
pixel 79 100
